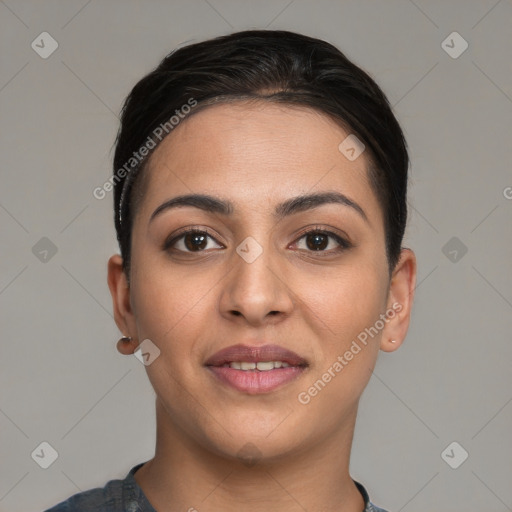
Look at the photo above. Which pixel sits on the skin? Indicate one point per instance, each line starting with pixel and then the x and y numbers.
pixel 193 304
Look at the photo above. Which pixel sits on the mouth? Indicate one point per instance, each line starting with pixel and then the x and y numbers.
pixel 254 370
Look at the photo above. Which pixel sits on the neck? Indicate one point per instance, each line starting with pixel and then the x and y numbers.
pixel 185 476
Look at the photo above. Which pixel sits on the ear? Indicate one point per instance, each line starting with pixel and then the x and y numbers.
pixel 400 300
pixel 123 314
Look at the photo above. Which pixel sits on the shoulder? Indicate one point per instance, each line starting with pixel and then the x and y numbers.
pixel 372 508
pixel 107 499
pixel 115 496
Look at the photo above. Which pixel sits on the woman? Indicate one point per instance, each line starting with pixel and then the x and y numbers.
pixel 260 184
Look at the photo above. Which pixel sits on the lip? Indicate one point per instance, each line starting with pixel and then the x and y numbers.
pixel 255 381
pixel 255 354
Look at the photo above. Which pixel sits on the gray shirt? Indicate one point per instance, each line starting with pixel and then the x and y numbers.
pixel 126 496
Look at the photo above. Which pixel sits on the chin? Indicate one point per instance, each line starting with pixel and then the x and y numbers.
pixel 251 450
pixel 249 435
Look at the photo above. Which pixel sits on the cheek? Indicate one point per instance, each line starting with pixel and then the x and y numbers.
pixel 172 303
pixel 342 311
pixel 173 308
pixel 345 301
pixel 167 305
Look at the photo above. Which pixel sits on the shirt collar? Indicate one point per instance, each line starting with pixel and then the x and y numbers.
pixel 134 499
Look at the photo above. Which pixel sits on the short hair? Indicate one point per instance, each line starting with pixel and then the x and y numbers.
pixel 268 65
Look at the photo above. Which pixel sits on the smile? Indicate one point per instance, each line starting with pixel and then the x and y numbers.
pixel 255 369
pixel 262 366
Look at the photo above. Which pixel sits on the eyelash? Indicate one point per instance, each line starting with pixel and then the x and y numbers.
pixel 169 243
pixel 343 243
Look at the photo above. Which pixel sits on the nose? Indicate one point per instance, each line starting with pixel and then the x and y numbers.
pixel 256 291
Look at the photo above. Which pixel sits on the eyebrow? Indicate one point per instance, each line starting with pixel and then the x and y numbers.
pixel 289 207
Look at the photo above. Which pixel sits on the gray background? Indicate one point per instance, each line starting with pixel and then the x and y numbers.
pixel 61 377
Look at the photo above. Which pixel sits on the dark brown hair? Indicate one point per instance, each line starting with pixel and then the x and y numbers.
pixel 270 65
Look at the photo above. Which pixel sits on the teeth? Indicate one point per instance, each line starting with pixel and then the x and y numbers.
pixel 262 366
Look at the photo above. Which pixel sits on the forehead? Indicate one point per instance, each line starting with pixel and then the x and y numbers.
pixel 257 153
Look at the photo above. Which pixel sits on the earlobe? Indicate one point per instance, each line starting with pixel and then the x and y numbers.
pixel 390 345
pixel 120 292
pixel 400 300
pixel 126 346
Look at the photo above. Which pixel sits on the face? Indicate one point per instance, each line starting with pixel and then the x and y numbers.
pixel 307 277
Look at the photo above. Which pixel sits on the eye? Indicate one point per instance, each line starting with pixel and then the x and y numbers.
pixel 192 240
pixel 321 240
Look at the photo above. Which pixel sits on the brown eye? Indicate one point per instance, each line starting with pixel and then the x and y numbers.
pixel 322 241
pixel 195 241
pixel 317 241
pixel 192 240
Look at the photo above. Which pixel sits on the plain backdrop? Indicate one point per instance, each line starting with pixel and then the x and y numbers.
pixel 63 382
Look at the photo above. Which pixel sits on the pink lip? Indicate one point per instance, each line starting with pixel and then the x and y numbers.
pixel 256 381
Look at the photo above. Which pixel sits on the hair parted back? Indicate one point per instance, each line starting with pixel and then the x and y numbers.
pixel 270 65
